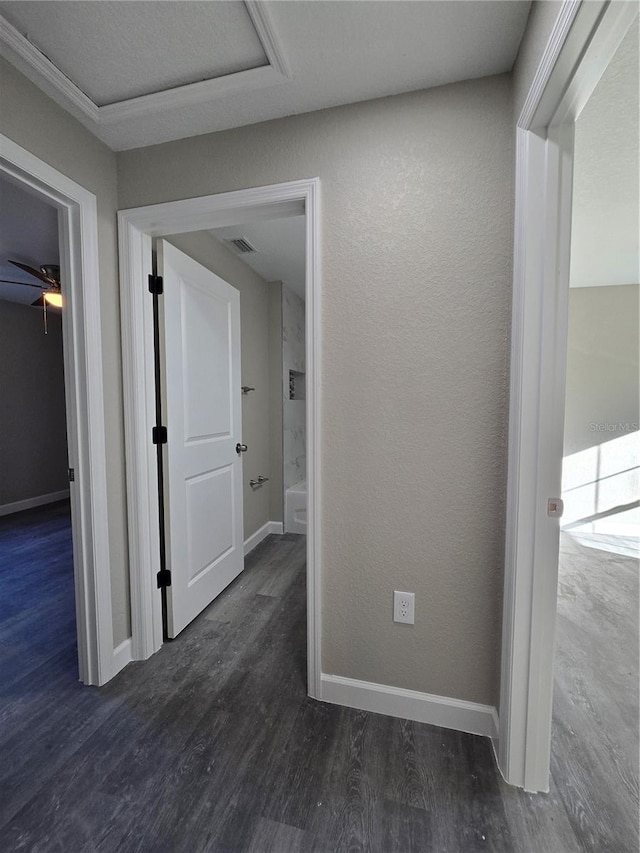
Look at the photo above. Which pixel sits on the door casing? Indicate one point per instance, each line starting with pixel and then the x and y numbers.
pixel 137 228
pixel 585 38
pixel 82 352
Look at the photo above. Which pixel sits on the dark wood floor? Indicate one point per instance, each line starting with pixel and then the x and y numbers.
pixel 212 744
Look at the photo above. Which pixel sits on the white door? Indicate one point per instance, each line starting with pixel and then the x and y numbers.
pixel 202 412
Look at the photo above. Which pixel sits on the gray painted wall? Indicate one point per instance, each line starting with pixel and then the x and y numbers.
pixel 294 432
pixel 275 400
pixel 416 254
pixel 603 374
pixel 33 449
pixel 254 333
pixel 35 122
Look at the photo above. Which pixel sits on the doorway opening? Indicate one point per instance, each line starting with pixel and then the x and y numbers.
pixel 584 39
pixel 77 241
pixel 275 249
pixel 596 650
pixel 37 602
pixel 231 352
pixel 179 222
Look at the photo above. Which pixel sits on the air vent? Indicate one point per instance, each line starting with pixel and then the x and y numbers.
pixel 242 245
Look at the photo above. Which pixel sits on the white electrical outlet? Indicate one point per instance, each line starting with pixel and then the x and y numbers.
pixel 404 607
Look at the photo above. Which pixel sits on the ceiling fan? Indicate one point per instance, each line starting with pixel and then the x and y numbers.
pixel 49 275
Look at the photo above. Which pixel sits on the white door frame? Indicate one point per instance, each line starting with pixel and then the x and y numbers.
pixel 137 228
pixel 82 346
pixel 584 39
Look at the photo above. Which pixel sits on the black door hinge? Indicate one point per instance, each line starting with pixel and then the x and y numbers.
pixel 159 435
pixel 164 578
pixel 72 474
pixel 155 284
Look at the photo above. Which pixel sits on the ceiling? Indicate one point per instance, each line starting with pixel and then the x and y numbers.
pixel 280 249
pixel 29 234
pixel 139 73
pixel 605 226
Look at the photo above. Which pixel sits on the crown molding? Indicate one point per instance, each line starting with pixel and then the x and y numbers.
pixel 39 69
pixel 202 92
pixel 263 24
pixel 42 71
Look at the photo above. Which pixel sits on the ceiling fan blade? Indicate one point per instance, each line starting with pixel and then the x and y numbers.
pixel 34 272
pixel 23 283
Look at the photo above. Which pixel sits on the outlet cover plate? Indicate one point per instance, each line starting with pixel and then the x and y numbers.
pixel 404 607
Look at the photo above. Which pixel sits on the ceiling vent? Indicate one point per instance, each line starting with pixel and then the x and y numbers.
pixel 241 245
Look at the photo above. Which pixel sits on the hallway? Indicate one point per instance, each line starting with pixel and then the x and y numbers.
pixel 212 744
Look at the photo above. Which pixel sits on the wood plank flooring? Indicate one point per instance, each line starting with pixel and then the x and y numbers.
pixel 212 744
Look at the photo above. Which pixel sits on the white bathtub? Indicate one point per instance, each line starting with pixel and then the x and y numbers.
pixel 295 508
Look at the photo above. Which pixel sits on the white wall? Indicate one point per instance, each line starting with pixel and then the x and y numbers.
pixel 33 430
pixel 416 253
pixel 35 122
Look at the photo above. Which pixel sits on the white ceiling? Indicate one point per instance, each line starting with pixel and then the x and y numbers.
pixel 280 245
pixel 605 226
pixel 114 51
pixel 318 54
pixel 29 234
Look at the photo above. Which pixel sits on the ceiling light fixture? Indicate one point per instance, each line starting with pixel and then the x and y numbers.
pixel 53 297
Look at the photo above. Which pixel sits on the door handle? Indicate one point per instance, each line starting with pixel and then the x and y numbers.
pixel 241 448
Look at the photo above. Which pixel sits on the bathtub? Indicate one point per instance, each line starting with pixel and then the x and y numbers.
pixel 295 508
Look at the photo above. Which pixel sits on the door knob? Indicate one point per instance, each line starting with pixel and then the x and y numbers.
pixel 241 448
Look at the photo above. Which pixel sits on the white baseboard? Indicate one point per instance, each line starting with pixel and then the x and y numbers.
pixel 261 533
pixel 411 705
pixel 122 655
pixel 31 503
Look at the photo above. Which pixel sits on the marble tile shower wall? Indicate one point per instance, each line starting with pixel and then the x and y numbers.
pixel 294 441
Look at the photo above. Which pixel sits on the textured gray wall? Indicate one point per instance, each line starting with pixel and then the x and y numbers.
pixel 35 122
pixel 33 448
pixel 275 400
pixel 416 255
pixel 294 427
pixel 254 334
pixel 603 378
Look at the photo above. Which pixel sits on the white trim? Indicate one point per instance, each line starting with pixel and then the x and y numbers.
pixel 15 47
pixel 550 59
pixel 43 72
pixel 202 92
pixel 31 503
pixel 276 527
pixel 121 656
pixel 261 533
pixel 440 711
pixel 263 24
pixel 580 47
pixel 82 347
pixel 136 228
pixel 256 538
